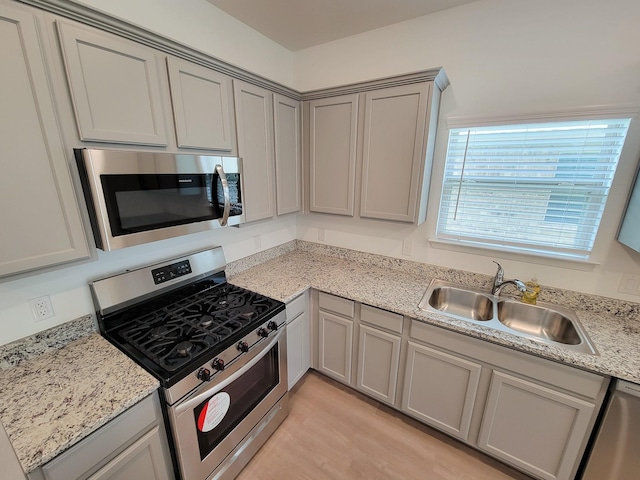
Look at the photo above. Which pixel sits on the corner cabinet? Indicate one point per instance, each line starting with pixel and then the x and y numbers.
pixel 41 220
pixel 254 118
pixel 370 151
pixel 287 119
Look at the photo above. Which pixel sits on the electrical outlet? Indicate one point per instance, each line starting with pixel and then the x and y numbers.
pixel 406 248
pixel 321 234
pixel 41 308
pixel 630 284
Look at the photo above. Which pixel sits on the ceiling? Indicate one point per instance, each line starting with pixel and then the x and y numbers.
pixel 299 24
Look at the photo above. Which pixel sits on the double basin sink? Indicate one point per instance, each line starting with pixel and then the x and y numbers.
pixel 546 323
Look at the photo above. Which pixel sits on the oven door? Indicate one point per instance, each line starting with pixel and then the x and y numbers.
pixel 138 197
pixel 213 420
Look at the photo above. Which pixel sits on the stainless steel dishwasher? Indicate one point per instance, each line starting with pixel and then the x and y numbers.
pixel 615 451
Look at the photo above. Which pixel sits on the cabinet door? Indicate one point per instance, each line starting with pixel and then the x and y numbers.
pixel 332 154
pixel 378 360
pixel 440 389
pixel 41 222
pixel 335 337
pixel 115 87
pixel 286 119
pixel 537 429
pixel 201 100
pixel 393 152
pixel 254 118
pixel 298 351
pixel 145 459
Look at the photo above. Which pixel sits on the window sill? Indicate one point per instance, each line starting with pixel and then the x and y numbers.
pixel 510 253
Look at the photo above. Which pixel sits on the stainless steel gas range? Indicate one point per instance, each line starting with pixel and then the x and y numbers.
pixel 219 352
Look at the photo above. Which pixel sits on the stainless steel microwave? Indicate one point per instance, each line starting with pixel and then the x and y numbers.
pixel 140 197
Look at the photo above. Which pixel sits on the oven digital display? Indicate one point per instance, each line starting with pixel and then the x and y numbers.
pixel 169 272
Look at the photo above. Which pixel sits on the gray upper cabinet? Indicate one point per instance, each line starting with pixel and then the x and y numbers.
pixel 630 229
pixel 202 106
pixel 393 152
pixel 115 87
pixel 332 154
pixel 288 149
pixel 254 118
pixel 41 222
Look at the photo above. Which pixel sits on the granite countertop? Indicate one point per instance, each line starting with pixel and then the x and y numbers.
pixel 57 393
pixel 390 284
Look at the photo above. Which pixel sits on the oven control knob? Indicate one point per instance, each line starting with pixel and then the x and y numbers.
pixel 263 332
pixel 243 346
pixel 204 374
pixel 218 364
pixel 272 325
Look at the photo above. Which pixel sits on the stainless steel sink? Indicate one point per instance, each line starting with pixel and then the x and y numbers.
pixel 462 303
pixel 546 323
pixel 538 321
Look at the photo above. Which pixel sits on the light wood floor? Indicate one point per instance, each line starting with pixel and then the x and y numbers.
pixel 333 432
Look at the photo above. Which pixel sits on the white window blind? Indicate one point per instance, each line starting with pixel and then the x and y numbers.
pixel 538 187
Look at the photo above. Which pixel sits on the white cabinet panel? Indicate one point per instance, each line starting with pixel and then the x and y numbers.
pixel 288 149
pixel 332 154
pixel 41 222
pixel 202 106
pixel 254 119
pixel 298 348
pixel 533 427
pixel 378 360
pixel 440 389
pixel 115 87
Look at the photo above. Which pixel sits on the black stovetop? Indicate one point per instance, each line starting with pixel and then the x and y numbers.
pixel 174 333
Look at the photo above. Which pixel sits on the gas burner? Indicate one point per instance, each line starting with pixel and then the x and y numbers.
pixel 184 348
pixel 248 315
pixel 159 332
pixel 205 321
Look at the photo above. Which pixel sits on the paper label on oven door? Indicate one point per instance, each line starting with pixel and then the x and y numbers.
pixel 213 412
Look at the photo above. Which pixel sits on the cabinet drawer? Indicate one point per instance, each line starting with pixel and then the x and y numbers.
pixel 296 306
pixel 381 318
pixel 336 304
pixel 104 443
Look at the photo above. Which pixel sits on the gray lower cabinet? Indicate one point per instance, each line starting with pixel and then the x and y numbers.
pixel 202 101
pixel 40 218
pixel 538 429
pixel 440 389
pixel 132 446
pixel 254 119
pixel 115 87
pixel 298 339
pixel 378 360
pixel 335 323
pixel 288 153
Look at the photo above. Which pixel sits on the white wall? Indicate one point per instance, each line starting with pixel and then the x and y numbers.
pixel 503 57
pixel 202 26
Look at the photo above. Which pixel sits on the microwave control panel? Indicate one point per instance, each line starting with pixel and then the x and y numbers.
pixel 170 272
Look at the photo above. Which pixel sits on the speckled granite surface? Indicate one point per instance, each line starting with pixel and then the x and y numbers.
pixel 398 285
pixel 53 400
pixel 15 353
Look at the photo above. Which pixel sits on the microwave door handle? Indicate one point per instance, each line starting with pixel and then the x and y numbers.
pixel 227 197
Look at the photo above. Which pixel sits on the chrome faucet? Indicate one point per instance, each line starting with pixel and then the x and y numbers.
pixel 499 282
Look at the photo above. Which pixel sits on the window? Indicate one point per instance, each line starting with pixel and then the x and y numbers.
pixel 536 187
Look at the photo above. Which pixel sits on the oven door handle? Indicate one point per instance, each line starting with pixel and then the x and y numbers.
pixel 205 391
pixel 227 197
